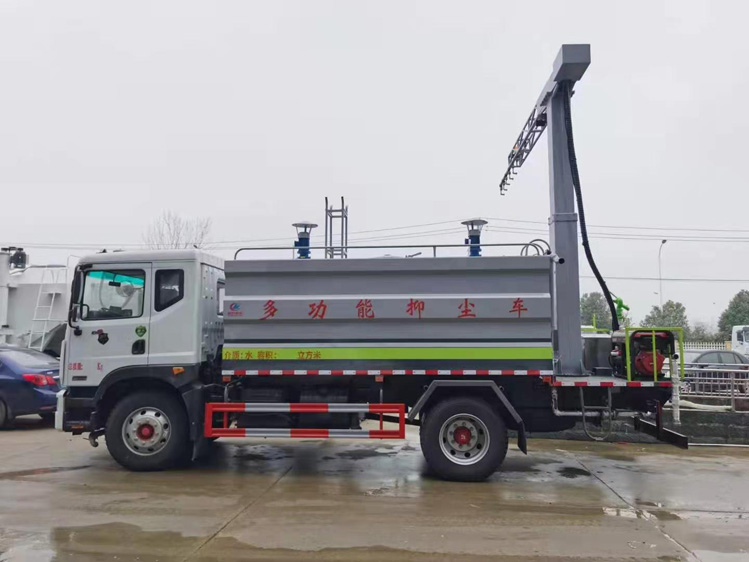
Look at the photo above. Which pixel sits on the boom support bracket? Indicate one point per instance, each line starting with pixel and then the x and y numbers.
pixel 549 112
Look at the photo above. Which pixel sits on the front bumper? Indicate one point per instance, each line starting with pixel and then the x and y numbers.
pixel 60 409
pixel 73 414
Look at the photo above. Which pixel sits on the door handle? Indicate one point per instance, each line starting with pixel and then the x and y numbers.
pixel 139 347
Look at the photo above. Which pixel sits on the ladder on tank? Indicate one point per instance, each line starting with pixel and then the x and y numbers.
pixel 53 282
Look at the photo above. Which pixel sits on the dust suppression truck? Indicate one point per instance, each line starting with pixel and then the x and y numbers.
pixel 167 349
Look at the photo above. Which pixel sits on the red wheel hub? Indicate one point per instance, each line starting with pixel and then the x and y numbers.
pixel 145 432
pixel 462 435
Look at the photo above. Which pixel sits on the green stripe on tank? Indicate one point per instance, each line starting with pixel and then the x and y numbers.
pixel 384 353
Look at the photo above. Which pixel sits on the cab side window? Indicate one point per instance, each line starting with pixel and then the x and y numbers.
pixel 169 288
pixel 713 357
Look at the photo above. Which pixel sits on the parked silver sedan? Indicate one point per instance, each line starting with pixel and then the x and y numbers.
pixel 718 371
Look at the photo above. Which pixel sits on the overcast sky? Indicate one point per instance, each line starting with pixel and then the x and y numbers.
pixel 251 112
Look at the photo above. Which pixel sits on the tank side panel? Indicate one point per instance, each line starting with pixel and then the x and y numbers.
pixel 467 305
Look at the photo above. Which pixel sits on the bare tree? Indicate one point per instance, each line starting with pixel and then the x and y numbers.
pixel 171 231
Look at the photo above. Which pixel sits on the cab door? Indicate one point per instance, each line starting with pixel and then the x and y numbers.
pixel 112 317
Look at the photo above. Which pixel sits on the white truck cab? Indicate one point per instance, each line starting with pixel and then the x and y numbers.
pixel 740 339
pixel 139 320
pixel 156 308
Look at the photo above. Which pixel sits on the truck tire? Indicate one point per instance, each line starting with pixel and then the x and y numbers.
pixel 463 439
pixel 148 431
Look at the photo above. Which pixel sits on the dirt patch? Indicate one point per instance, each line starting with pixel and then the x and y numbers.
pixel 663 515
pixel 572 472
pixel 254 457
pixel 359 454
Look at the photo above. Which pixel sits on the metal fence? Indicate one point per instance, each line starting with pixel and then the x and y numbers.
pixel 725 385
pixel 706 345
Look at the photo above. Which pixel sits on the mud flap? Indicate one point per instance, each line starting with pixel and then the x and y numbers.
pixel 193 400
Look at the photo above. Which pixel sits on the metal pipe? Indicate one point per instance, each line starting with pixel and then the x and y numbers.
pixel 568 413
pixel 660 275
pixel 578 413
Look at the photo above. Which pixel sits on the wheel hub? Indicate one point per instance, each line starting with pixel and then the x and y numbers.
pixel 462 435
pixel 464 439
pixel 146 431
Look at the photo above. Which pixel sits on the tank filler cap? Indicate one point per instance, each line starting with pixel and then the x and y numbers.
pixel 474 227
pixel 304 227
pixel 303 230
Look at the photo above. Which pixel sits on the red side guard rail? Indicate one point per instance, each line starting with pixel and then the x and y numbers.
pixel 212 408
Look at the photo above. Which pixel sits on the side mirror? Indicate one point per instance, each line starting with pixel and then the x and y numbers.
pixel 73 315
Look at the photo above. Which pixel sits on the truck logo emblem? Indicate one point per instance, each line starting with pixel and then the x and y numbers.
pixel 234 307
pixel 140 331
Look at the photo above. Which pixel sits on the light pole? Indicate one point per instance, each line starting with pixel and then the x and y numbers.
pixel 660 273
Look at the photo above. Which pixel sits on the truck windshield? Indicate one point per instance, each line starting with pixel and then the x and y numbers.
pixel 113 294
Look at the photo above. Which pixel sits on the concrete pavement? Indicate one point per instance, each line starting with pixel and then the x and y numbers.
pixel 60 499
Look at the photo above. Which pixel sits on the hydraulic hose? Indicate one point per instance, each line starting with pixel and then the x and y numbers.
pixel 567 90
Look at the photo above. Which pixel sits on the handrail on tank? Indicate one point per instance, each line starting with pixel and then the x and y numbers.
pixel 539 250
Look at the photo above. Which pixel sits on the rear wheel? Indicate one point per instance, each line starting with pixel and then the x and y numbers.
pixel 148 431
pixel 463 439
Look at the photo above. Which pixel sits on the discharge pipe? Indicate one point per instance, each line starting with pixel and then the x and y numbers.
pixel 567 85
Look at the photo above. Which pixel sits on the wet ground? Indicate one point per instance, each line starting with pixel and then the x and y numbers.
pixel 337 500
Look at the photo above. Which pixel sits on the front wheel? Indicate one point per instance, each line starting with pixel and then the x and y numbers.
pixel 148 431
pixel 463 439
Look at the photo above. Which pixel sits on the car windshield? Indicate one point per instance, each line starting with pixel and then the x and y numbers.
pixel 29 358
pixel 691 356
